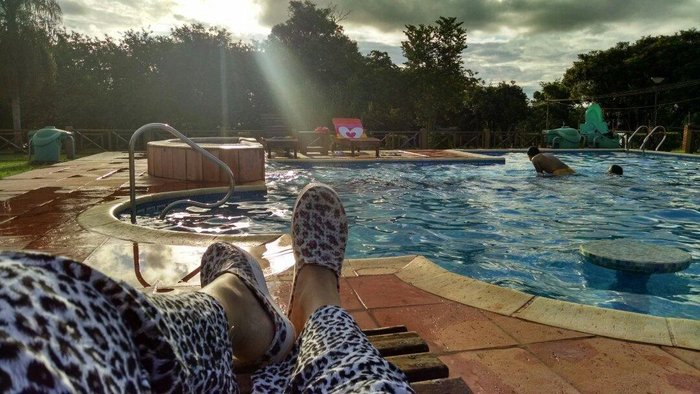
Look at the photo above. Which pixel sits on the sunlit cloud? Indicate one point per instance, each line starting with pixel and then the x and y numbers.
pixel 238 16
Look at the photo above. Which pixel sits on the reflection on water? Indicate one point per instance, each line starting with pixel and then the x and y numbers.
pixel 160 267
pixel 147 265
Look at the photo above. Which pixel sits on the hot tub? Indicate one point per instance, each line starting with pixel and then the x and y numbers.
pixel 176 160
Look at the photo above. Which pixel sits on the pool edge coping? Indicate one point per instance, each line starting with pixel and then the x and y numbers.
pixel 428 276
pixel 424 274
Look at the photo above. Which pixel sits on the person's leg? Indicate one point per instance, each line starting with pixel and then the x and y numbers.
pixel 332 353
pixel 315 287
pixel 58 332
pixel 251 327
pixel 260 332
pixel 194 325
pixel 199 333
pixel 319 237
pixel 68 327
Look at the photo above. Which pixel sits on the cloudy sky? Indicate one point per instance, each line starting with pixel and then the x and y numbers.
pixel 526 41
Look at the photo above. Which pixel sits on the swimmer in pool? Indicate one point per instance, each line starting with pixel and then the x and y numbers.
pixel 547 163
pixel 615 170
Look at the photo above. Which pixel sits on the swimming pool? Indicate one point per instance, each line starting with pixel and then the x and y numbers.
pixel 501 223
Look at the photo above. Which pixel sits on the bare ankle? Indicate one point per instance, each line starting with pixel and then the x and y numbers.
pixel 316 287
pixel 251 328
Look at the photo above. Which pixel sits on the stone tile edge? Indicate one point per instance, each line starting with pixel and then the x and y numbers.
pixel 378 265
pixel 684 332
pixel 598 321
pixel 101 219
pixel 426 275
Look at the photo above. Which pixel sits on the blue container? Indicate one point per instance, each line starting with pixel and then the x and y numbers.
pixel 45 144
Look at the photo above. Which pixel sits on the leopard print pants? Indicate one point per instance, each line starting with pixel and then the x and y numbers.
pixel 65 327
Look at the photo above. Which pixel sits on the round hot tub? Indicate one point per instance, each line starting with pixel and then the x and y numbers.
pixel 176 160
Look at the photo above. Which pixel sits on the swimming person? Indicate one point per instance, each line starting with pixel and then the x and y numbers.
pixel 67 327
pixel 547 163
pixel 615 170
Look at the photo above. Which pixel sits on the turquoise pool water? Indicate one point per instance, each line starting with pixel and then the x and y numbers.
pixel 501 223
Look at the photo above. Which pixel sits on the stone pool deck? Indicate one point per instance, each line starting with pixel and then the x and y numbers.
pixel 493 338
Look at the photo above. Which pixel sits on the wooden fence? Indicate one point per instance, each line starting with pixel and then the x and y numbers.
pixel 98 140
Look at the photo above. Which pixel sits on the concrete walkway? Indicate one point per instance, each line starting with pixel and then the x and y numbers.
pixel 492 352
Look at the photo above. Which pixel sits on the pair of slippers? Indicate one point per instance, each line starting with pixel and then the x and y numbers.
pixel 319 235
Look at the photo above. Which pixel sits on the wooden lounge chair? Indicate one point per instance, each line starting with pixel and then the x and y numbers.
pixel 409 352
pixel 349 132
pixel 276 134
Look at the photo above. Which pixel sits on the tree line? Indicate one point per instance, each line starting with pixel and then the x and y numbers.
pixel 309 70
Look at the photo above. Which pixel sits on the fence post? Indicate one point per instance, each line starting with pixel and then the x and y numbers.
pixel 75 139
pixel 487 139
pixel 423 143
pixel 687 144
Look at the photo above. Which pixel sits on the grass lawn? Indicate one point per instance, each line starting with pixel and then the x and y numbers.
pixel 15 163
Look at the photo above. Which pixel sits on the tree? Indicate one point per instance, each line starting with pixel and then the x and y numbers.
pixel 502 107
pixel 81 94
pixel 548 112
pixel 380 94
pixel 435 70
pixel 629 67
pixel 313 59
pixel 25 30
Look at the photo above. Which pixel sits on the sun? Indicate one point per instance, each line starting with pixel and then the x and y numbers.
pixel 240 17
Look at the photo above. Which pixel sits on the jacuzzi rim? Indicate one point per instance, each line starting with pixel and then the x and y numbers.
pixel 424 274
pixel 242 143
pixel 103 219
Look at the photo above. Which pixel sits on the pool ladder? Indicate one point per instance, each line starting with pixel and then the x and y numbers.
pixel 646 139
pixel 183 138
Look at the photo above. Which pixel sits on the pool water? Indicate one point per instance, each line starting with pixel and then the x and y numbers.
pixel 501 223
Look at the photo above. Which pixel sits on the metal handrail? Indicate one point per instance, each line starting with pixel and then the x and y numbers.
pixel 183 138
pixel 649 135
pixel 628 139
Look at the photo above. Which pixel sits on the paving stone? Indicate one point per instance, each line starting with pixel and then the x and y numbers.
pixel 598 365
pixel 528 332
pixel 387 290
pixel 447 326
pixel 512 370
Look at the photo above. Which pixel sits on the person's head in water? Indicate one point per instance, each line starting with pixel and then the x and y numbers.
pixel 615 170
pixel 532 152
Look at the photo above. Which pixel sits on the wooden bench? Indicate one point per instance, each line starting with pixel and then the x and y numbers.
pixel 409 352
pixel 277 134
pixel 358 144
pixel 285 143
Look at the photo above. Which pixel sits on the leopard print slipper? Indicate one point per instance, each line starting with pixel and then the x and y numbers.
pixel 223 258
pixel 319 231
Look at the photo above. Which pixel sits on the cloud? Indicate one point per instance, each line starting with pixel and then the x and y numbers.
pixel 527 41
pixel 73 7
pixel 393 51
pixel 97 18
pixel 492 15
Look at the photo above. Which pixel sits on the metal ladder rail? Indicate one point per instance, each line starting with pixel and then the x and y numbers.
pixel 649 135
pixel 628 139
pixel 183 138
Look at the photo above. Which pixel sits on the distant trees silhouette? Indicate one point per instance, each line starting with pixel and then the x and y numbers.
pixel 26 28
pixel 198 77
pixel 620 79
